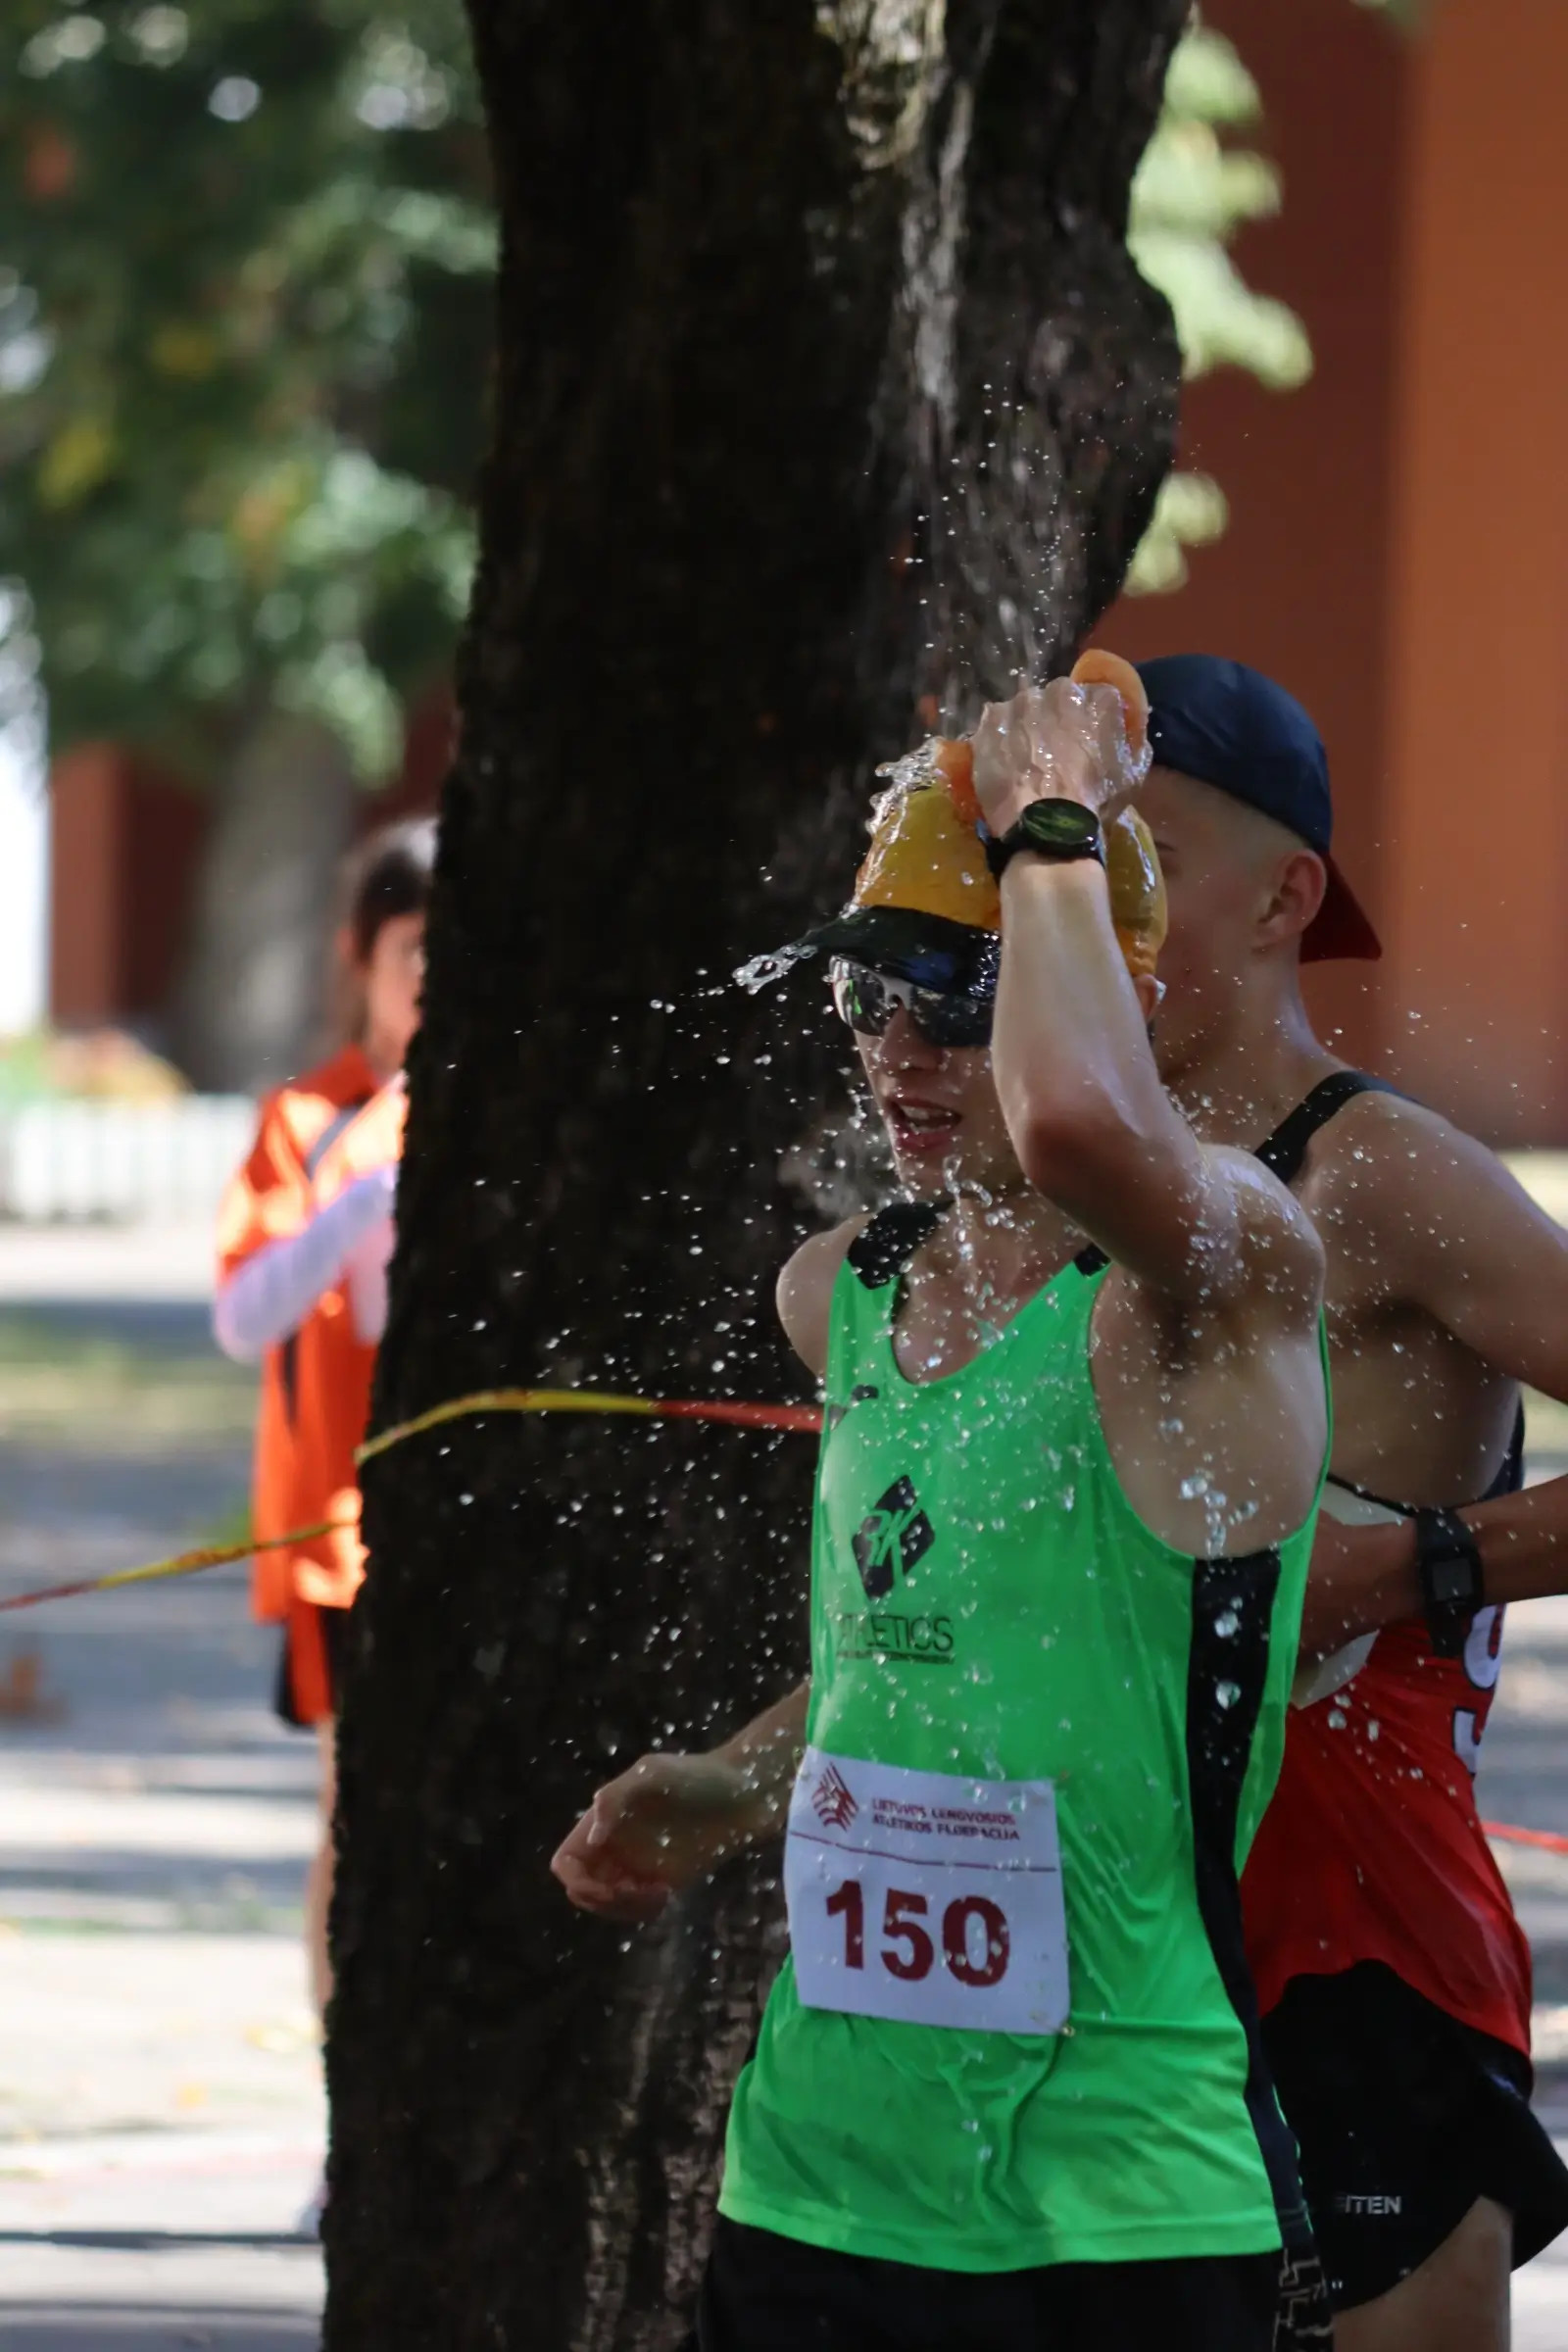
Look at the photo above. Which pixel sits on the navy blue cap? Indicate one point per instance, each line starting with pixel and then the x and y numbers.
pixel 1231 727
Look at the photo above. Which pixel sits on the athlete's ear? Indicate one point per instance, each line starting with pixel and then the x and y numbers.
pixel 1296 893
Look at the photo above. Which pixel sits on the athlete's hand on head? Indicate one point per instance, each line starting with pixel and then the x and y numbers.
pixel 653 1832
pixel 1062 740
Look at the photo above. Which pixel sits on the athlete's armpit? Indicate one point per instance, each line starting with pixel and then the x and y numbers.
pixel 1282 1261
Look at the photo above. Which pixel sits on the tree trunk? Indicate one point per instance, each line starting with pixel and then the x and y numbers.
pixel 253 998
pixel 827 398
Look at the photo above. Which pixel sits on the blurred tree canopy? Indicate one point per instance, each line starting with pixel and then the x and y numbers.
pixel 245 258
pixel 245 262
pixel 1192 193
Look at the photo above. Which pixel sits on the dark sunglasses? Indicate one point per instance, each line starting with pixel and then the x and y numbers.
pixel 867 1000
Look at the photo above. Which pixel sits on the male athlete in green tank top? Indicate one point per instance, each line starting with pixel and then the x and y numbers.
pixel 1007 2088
pixel 957 1631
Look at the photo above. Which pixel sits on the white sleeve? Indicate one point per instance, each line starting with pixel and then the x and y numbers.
pixel 368 1262
pixel 270 1294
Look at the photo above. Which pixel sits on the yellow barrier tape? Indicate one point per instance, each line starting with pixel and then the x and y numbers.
pixel 503 1400
pixel 804 1418
pixel 180 1563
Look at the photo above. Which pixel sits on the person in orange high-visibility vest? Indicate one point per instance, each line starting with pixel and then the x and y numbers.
pixel 336 1356
pixel 304 1235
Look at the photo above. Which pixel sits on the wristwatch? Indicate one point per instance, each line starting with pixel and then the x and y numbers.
pixel 1054 828
pixel 1454 1586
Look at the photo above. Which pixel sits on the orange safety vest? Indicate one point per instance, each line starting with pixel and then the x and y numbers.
pixel 267 1200
pixel 335 1371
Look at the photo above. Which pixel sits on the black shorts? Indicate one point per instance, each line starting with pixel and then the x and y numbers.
pixel 310 1664
pixel 1403 2117
pixel 764 2294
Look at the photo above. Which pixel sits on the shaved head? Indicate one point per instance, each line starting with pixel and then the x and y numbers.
pixel 1243 889
pixel 1200 813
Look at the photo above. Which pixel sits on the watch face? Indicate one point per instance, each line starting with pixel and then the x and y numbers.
pixel 1061 825
pixel 1450 1580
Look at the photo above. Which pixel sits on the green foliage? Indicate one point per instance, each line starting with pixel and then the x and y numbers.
pixel 1191 194
pixel 245 265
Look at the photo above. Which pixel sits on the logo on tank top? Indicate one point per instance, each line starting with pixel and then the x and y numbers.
pixel 895 1533
pixel 890 1543
pixel 832 1799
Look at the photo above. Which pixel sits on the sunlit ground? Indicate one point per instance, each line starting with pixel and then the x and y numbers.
pixel 160 2107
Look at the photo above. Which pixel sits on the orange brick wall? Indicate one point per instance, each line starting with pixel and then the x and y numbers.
pixel 1476 892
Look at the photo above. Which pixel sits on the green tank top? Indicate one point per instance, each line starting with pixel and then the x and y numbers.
pixel 986 1605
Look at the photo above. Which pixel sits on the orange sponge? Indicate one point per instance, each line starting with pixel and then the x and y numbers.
pixel 1097 667
pixel 953 757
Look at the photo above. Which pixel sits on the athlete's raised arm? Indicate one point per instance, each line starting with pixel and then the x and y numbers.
pixel 1092 1126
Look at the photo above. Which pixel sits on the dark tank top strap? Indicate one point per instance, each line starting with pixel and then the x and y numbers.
pixel 1511 1477
pixel 1283 1151
pixel 881 1250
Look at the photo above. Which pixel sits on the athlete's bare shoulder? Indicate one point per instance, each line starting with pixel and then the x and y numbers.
pixel 1380 1122
pixel 1394 1168
pixel 1419 1214
pixel 804 1292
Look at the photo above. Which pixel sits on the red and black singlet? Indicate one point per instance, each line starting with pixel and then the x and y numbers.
pixel 1372 1847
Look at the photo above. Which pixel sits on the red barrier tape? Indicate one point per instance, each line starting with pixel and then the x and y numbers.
pixel 1548 1840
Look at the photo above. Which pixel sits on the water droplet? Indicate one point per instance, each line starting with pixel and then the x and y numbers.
pixel 762 970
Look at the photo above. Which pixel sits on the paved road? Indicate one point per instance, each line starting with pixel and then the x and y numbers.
pixel 161 2116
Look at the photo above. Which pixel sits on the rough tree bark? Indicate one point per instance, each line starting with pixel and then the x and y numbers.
pixel 252 1002
pixel 826 395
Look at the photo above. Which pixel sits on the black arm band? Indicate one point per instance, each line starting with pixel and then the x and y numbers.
pixel 1454 1586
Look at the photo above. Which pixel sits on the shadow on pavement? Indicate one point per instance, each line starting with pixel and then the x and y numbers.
pixel 89 2327
pixel 151 2241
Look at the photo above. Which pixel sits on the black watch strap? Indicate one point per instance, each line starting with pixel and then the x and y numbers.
pixel 1454 1586
pixel 1056 828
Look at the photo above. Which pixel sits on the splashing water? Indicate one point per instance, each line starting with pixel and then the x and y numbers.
pixel 761 971
pixel 915 767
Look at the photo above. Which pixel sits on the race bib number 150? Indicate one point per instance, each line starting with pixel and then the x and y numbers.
pixel 926 1897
